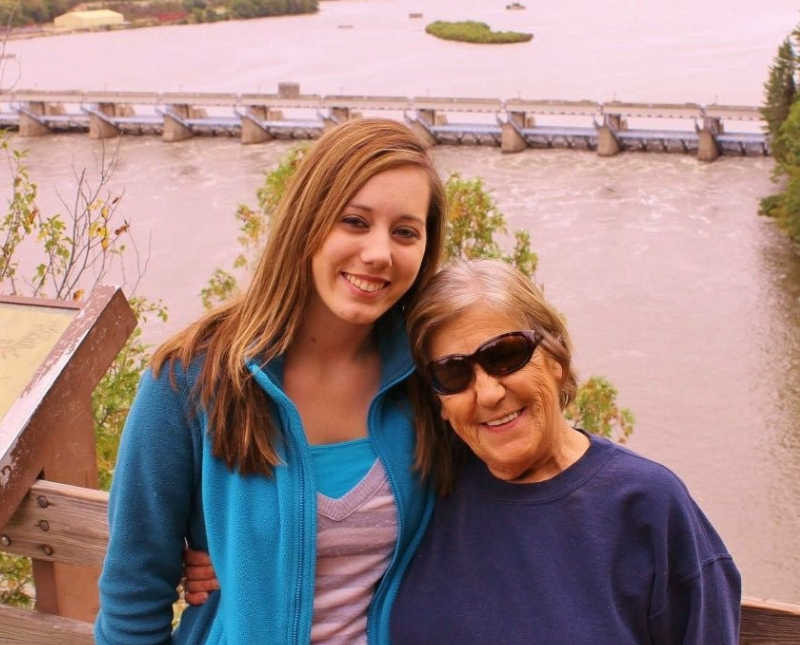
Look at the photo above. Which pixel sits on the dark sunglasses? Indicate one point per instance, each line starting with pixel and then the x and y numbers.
pixel 498 356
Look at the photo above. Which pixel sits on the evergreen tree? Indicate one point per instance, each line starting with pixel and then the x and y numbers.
pixel 785 205
pixel 779 94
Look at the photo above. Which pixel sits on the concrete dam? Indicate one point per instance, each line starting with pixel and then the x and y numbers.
pixel 706 131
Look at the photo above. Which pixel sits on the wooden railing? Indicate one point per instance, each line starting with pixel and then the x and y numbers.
pixel 55 523
pixel 67 524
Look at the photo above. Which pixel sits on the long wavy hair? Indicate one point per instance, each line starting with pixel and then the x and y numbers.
pixel 490 284
pixel 264 319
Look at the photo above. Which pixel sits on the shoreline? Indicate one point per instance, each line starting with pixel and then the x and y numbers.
pixel 48 29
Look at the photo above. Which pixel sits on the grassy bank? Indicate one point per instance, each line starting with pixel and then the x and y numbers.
pixel 146 13
pixel 470 31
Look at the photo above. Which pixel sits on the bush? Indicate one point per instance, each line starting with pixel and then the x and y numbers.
pixel 472 221
pixel 14 13
pixel 784 207
pixel 595 410
pixel 474 32
pixel 260 8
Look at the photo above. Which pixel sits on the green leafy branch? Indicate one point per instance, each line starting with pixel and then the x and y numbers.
pixel 76 252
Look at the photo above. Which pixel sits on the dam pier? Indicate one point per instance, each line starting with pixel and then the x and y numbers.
pixel 608 128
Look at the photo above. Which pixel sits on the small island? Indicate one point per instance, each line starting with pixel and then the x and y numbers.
pixel 515 5
pixel 470 31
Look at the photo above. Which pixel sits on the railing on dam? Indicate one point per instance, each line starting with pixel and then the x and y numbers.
pixel 512 124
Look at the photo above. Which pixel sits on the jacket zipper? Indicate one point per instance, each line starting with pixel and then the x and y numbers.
pixel 294 425
pixel 380 591
pixel 297 448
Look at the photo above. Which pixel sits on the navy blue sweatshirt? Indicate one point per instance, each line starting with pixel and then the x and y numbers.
pixel 611 551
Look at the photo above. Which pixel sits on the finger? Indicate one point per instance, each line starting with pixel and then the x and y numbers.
pixel 194 572
pixel 192 558
pixel 195 586
pixel 195 598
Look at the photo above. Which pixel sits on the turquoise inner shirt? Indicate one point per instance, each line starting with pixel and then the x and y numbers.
pixel 339 467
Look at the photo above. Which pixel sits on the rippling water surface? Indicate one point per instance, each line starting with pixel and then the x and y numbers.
pixel 683 51
pixel 672 286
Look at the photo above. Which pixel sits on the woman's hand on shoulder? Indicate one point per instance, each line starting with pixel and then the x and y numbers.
pixel 199 576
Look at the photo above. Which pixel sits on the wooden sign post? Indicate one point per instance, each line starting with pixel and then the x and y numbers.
pixel 52 355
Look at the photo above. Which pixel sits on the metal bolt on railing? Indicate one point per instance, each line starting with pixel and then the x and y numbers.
pixel 44 525
pixel 5 540
pixel 41 500
pixel 48 550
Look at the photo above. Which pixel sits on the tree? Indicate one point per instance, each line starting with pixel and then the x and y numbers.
pixel 258 8
pixel 473 219
pixel 784 206
pixel 781 111
pixel 779 94
pixel 77 249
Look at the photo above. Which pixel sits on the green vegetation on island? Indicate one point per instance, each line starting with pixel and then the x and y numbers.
pixel 260 8
pixel 781 111
pixel 469 31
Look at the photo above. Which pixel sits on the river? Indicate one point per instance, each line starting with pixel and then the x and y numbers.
pixel 672 286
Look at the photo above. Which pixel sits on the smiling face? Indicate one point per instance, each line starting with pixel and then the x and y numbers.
pixel 513 422
pixel 373 253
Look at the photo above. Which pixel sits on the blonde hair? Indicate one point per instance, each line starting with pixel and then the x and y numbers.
pixel 263 321
pixel 492 285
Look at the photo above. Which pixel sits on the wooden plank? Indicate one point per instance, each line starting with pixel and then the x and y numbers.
pixel 59 523
pixel 24 627
pixel 766 622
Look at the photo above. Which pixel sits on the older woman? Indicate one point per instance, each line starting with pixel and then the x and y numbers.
pixel 548 534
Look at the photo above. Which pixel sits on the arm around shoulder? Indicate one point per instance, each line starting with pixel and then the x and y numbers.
pixel 149 509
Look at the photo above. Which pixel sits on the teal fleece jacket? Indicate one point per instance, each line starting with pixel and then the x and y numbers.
pixel 260 531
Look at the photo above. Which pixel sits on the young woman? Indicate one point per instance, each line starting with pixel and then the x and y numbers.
pixel 275 433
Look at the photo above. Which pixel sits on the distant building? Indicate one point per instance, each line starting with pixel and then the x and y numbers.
pixel 88 19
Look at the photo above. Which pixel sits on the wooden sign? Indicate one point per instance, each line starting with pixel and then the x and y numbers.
pixel 28 333
pixel 52 355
